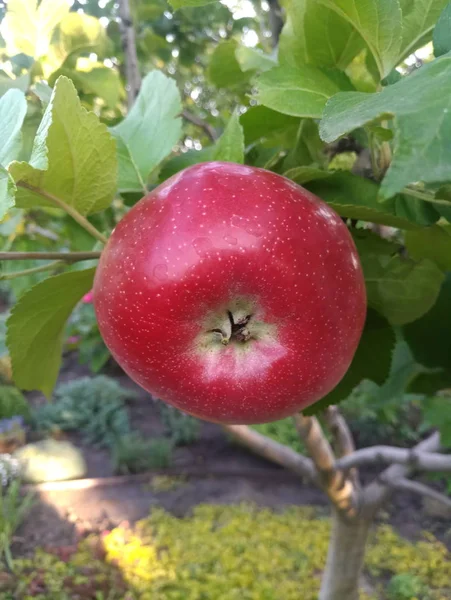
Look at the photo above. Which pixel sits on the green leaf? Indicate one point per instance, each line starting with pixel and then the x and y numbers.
pixel 430 337
pixel 296 92
pixel 308 25
pixel 401 290
pixel 379 22
pixel 357 198
pixel 420 104
pixel 99 80
pixel 149 131
pixel 442 32
pixel 13 108
pixel 182 161
pixel 419 18
pixel 28 27
pixel 224 70
pixel 378 340
pixel 305 174
pixel 176 4
pixel 7 192
pixel 252 59
pixel 230 146
pixel 437 413
pixel 433 243
pixel 261 122
pixel 36 326
pixel 73 157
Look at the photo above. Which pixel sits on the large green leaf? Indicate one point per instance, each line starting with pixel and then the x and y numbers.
pixel 308 25
pixel 296 92
pixel 430 337
pixel 230 146
pixel 184 160
pixel 357 198
pixel 251 59
pixel 371 361
pixel 148 133
pixel 421 106
pixel 261 122
pixel 28 27
pixel 76 33
pixel 7 192
pixel 13 108
pixel 433 243
pixel 401 289
pixel 73 157
pixel 98 80
pixel 442 32
pixel 224 70
pixel 36 326
pixel 419 19
pixel 379 22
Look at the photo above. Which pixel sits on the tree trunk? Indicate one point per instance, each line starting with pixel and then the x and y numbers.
pixel 345 559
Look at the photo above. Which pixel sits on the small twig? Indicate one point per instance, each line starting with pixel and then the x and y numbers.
pixel 337 485
pixel 413 458
pixel 343 440
pixel 418 488
pixel 272 450
pixel 195 120
pixel 377 492
pixel 81 220
pixel 132 74
pixel 64 256
pixel 49 267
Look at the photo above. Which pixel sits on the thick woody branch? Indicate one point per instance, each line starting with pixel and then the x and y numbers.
pixel 198 122
pixel 132 74
pixel 273 451
pixel 418 488
pixel 337 485
pixel 343 440
pixel 386 455
pixel 377 492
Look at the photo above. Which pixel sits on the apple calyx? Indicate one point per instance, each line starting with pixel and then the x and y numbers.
pixel 235 330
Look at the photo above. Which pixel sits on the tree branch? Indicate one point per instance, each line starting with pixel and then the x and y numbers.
pixel 418 488
pixel 195 120
pixel 64 256
pixel 338 487
pixel 132 74
pixel 273 451
pixel 377 492
pixel 413 458
pixel 343 440
pixel 48 267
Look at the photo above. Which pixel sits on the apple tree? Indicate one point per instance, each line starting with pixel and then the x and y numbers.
pixel 333 98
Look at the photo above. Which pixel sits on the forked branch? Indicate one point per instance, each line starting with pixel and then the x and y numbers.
pixel 418 488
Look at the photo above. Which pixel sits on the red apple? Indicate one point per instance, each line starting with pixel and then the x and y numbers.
pixel 231 293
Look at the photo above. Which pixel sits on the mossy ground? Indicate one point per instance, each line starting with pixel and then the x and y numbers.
pixel 219 553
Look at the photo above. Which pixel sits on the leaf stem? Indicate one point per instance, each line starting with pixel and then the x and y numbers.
pixel 48 267
pixel 81 220
pixel 62 256
pixel 408 191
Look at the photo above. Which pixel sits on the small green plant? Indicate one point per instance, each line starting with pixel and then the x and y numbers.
pixel 95 406
pixel 13 403
pixel 133 454
pixel 13 509
pixel 283 432
pixel 183 429
pixel 406 587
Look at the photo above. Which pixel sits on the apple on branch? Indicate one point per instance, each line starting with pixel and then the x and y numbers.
pixel 231 293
